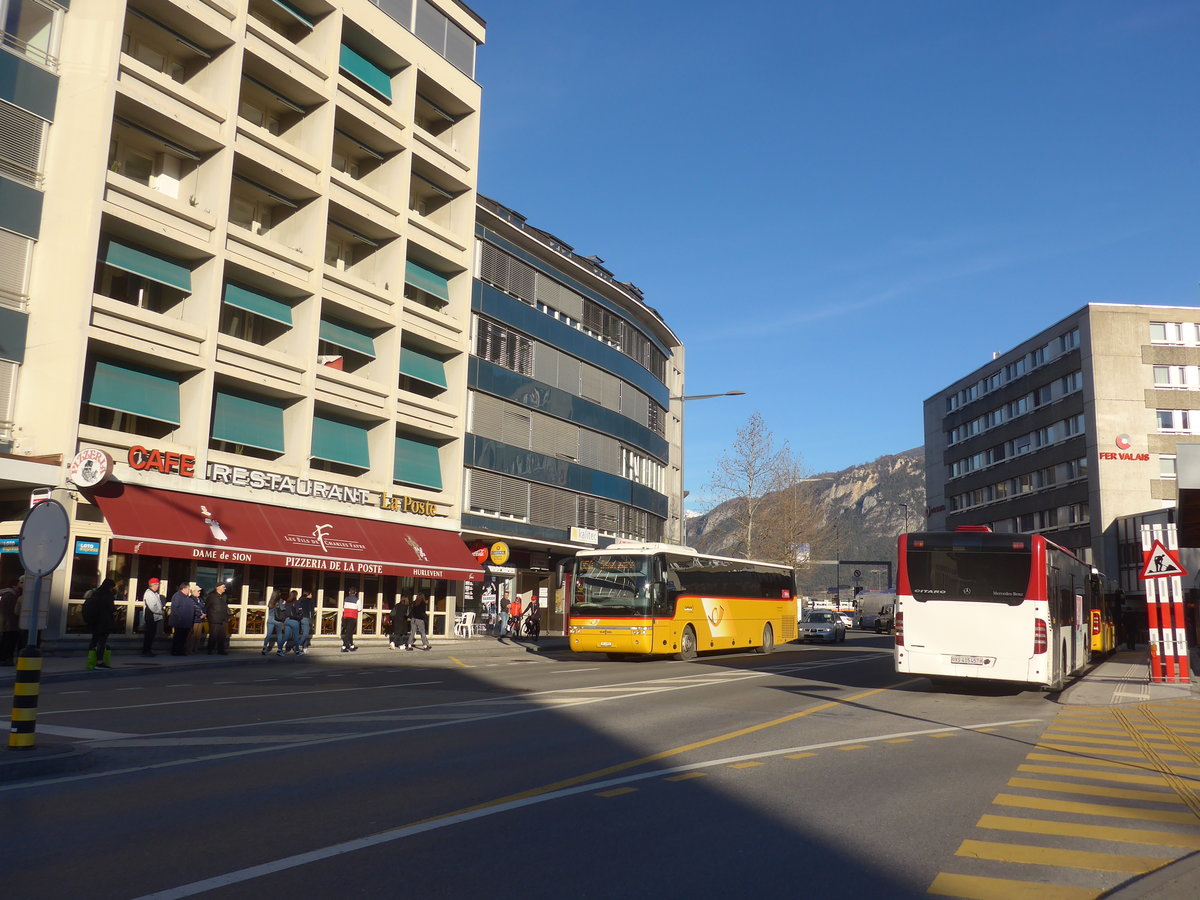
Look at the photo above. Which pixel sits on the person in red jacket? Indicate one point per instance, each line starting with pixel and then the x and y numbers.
pixel 350 607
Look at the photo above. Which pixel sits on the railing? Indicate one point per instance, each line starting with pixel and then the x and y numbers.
pixel 28 50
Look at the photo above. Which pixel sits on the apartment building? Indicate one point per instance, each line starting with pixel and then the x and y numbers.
pixel 236 243
pixel 1072 434
pixel 573 434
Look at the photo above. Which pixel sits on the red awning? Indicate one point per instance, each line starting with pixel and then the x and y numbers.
pixel 195 526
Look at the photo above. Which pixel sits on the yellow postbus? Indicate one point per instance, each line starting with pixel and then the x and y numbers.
pixel 661 599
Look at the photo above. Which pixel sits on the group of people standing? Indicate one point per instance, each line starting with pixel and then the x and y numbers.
pixel 290 623
pixel 188 614
pixel 409 621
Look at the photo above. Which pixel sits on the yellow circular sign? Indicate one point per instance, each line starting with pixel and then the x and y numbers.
pixel 499 553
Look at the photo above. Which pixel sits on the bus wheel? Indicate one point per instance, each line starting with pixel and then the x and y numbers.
pixel 768 643
pixel 687 644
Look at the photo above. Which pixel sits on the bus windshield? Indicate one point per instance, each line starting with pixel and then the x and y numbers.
pixel 961 573
pixel 612 586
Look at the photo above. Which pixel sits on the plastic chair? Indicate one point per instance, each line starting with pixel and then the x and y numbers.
pixel 464 625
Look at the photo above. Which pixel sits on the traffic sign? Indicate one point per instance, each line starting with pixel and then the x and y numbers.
pixel 1161 563
pixel 44 535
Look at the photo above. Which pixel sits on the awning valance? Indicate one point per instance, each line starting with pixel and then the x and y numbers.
pixel 150 521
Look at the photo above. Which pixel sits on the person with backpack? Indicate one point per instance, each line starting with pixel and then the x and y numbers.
pixel 306 606
pixel 417 614
pixel 289 612
pixel 350 607
pixel 533 620
pixel 99 611
pixel 274 623
pixel 400 623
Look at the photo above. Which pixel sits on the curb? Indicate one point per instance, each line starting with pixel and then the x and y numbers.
pixel 50 758
pixel 1174 881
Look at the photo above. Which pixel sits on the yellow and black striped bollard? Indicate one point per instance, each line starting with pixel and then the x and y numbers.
pixel 28 683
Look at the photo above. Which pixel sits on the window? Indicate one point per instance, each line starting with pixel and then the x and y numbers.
pixel 506 348
pixel 445 38
pixel 1165 333
pixel 1068 341
pixel 129 397
pixel 141 277
pixel 1166 467
pixel 31 28
pixel 22 136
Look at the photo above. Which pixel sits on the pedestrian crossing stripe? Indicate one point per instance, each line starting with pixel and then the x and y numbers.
pixel 1053 856
pixel 1111 833
pixel 975 887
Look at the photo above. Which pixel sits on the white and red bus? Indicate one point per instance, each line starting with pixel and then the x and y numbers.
pixel 972 604
pixel 659 599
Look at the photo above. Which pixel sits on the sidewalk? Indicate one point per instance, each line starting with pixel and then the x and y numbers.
pixel 69 665
pixel 1124 678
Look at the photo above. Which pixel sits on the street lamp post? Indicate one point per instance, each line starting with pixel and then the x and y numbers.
pixel 682 536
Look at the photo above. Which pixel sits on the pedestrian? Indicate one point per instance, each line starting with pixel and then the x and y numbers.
pixel 199 616
pixel 10 620
pixel 274 623
pixel 216 610
pixel 289 611
pixel 514 616
pixel 307 607
pixel 183 614
pixel 99 610
pixel 533 621
pixel 400 623
pixel 152 614
pixel 1132 622
pixel 417 614
pixel 502 616
pixel 350 607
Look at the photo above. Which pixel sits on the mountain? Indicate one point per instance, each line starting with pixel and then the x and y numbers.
pixel 863 507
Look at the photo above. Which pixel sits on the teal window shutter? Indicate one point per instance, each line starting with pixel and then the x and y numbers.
pixel 239 419
pixel 365 72
pixel 259 304
pixel 427 280
pixel 339 441
pixel 148 264
pixel 131 389
pixel 295 13
pixel 422 366
pixel 348 337
pixel 417 463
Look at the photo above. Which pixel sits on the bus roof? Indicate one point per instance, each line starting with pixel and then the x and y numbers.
pixel 648 548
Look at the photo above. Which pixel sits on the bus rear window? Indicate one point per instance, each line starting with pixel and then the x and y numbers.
pixel 979 575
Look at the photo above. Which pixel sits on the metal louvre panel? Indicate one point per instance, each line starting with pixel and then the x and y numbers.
pixel 634 404
pixel 600 452
pixel 15 251
pixel 493 265
pixel 559 297
pixel 485 491
pixel 565 514
pixel 515 428
pixel 522 354
pixel 593 316
pixel 521 279
pixel 542 435
pixel 8 397
pixel 21 137
pixel 611 387
pixel 545 363
pixel 541 504
pixel 487 416
pixel 566 439
pixel 608 515
pixel 514 497
pixel 568 374
pixel 592 383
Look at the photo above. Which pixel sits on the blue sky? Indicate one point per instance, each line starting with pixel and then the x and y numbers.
pixel 842 206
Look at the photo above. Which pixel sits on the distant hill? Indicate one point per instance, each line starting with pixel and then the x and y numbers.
pixel 863 506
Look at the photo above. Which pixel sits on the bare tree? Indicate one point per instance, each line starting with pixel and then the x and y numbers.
pixel 760 483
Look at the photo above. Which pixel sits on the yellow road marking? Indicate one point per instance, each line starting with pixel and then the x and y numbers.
pixel 1073 729
pixel 616 792
pixel 800 755
pixel 854 747
pixel 1109 751
pixel 1052 735
pixel 459 661
pixel 1092 832
pixel 1120 777
pixel 1096 809
pixel 899 741
pixel 1075 758
pixel 974 887
pixel 1094 790
pixel 744 765
pixel 686 776
pixel 596 775
pixel 1052 856
pixel 945 735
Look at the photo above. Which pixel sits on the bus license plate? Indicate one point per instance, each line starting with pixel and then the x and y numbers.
pixel 606 643
pixel 968 660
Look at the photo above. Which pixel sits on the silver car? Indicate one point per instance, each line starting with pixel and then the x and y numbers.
pixel 821 625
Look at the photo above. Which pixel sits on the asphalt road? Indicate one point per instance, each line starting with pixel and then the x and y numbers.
pixel 813 770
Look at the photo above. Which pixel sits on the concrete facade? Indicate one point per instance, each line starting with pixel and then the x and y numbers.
pixel 253 220
pixel 1071 431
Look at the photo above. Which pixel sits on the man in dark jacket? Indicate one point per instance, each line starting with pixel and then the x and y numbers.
pixel 216 607
pixel 99 610
pixel 306 606
pixel 183 613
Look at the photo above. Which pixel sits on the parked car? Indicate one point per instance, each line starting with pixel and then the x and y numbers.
pixel 881 622
pixel 821 625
